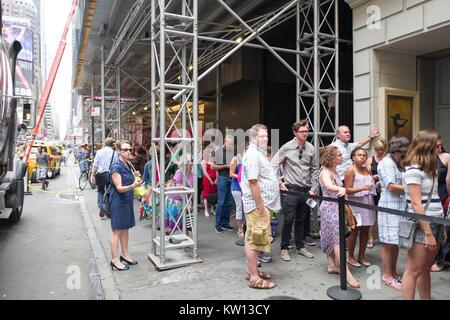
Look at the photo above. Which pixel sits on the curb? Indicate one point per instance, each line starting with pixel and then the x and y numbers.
pixel 108 288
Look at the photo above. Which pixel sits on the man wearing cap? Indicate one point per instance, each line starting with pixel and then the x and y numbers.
pixel 100 172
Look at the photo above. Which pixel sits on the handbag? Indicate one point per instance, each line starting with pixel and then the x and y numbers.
pixel 107 198
pixel 212 199
pixel 102 178
pixel 407 228
pixel 140 191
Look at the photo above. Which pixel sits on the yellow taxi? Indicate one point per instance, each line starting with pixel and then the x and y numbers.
pixel 55 160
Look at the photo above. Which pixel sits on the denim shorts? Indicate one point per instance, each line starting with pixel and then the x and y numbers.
pixel 436 229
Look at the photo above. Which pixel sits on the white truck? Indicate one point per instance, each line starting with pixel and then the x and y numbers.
pixel 12 171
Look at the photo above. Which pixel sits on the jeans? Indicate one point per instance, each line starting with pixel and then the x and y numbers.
pixel 295 211
pixel 100 194
pixel 224 201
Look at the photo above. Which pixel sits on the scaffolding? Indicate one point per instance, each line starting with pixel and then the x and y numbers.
pixel 178 64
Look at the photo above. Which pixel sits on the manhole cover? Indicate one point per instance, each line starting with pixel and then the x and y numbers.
pixel 68 196
pixel 280 298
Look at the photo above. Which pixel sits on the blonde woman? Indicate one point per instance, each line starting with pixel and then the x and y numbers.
pixel 122 215
pixel 380 148
pixel 331 186
pixel 420 184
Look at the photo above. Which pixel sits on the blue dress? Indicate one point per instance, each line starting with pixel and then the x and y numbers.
pixel 122 215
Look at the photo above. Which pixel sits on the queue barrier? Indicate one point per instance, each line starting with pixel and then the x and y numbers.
pixel 342 292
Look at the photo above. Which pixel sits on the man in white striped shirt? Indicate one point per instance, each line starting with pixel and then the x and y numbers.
pixel 261 197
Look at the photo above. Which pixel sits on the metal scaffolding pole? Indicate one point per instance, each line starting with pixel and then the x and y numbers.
pixel 92 117
pixel 319 38
pixel 119 105
pixel 103 110
pixel 174 34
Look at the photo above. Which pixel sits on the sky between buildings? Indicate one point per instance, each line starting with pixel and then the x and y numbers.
pixel 55 14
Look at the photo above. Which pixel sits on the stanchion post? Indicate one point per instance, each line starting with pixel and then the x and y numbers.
pixel 342 292
pixel 28 191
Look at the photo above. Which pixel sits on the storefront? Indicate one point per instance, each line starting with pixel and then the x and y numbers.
pixel 401 59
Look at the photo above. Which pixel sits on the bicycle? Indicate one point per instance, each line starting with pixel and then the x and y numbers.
pixel 85 176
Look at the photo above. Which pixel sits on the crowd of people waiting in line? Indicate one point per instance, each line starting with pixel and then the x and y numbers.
pixel 400 175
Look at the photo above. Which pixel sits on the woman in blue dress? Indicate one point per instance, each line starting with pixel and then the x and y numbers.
pixel 122 215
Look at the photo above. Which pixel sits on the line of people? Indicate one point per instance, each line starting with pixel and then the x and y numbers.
pixel 405 178
pixel 401 175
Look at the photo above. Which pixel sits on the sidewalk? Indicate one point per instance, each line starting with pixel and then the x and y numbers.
pixel 221 274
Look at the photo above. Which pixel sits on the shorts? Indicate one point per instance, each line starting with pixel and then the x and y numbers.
pixel 436 229
pixel 41 173
pixel 257 236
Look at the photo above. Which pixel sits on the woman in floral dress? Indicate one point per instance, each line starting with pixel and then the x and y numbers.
pixel 331 186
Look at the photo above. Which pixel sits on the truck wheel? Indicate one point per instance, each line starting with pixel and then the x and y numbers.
pixel 16 214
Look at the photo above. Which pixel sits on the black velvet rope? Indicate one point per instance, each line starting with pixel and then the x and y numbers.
pixel 371 207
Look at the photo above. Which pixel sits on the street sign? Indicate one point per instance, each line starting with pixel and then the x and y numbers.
pixel 95 111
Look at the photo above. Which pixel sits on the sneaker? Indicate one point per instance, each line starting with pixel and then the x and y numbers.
pixel 207 214
pixel 239 242
pixel 228 228
pixel 218 229
pixel 285 255
pixel 305 253
pixel 310 242
pixel 264 257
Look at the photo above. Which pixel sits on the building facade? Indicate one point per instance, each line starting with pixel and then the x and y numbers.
pixel 401 59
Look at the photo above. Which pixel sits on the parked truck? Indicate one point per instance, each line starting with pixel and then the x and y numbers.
pixel 12 169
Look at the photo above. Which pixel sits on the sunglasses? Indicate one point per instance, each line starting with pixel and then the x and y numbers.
pixel 300 154
pixel 127 150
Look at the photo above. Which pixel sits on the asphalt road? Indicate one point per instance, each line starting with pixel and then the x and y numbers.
pixel 47 254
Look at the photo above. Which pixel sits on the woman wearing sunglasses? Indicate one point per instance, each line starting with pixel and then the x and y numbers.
pixel 122 215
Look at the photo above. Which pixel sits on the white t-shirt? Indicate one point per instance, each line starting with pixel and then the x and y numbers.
pixel 414 175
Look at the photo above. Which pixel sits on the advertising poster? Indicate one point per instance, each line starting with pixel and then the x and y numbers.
pixel 20 29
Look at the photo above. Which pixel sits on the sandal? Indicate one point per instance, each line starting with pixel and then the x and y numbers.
pixel 394 283
pixel 262 284
pixel 356 264
pixel 365 263
pixel 352 282
pixel 261 274
pixel 333 270
pixel 436 268
pixel 370 244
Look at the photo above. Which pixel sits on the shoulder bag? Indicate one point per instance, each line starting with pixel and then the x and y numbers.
pixel 407 228
pixel 102 178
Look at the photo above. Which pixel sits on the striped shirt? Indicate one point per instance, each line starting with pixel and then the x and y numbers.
pixel 256 166
pixel 102 160
pixel 388 173
pixel 413 175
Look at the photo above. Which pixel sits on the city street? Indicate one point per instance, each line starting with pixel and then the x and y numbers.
pixel 57 236
pixel 47 254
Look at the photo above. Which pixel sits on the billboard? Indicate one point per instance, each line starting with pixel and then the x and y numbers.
pixel 20 29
